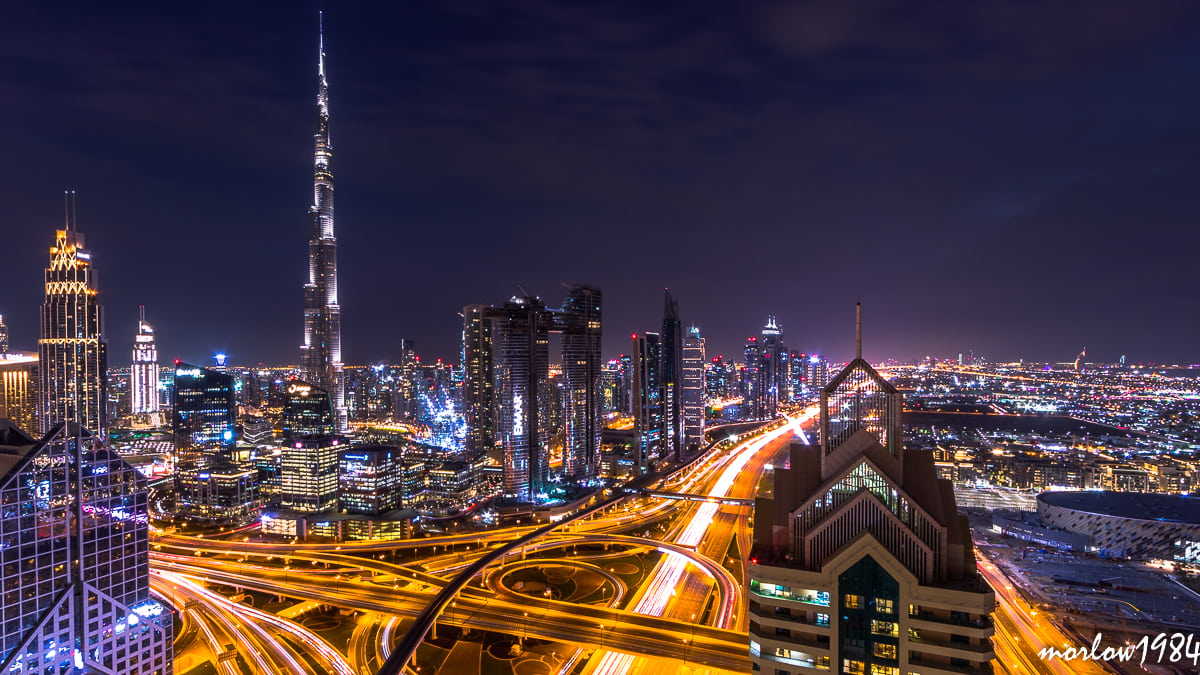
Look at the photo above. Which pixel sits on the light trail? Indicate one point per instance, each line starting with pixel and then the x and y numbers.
pixel 661 590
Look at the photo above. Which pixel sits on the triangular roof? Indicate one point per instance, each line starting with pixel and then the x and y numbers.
pixel 862 365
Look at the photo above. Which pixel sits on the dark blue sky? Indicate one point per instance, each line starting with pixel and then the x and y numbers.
pixel 1019 178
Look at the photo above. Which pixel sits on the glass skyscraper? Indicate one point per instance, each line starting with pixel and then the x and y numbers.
pixel 647 401
pixel 72 354
pixel 210 486
pixel 693 390
pixel 509 395
pixel 143 373
pixel 321 353
pixel 74 559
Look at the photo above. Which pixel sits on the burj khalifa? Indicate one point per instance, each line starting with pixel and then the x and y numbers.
pixel 321 353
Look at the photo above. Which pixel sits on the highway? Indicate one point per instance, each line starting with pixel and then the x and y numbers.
pixel 1022 631
pixel 684 610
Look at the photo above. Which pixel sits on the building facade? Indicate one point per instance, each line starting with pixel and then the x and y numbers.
pixel 512 404
pixel 670 378
pixel 72 354
pixel 648 407
pixel 143 372
pixel 693 390
pixel 321 353
pixel 861 562
pixel 369 479
pixel 75 577
pixel 19 397
pixel 211 486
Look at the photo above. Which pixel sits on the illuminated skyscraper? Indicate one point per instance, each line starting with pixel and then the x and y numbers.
pixel 309 458
pixel 307 410
pixel 19 400
pixel 861 562
pixel 647 401
pixel 210 485
pixel 72 352
pixel 321 354
pixel 693 390
pixel 510 399
pixel 143 373
pixel 671 379
pixel 579 322
pixel 772 374
pixel 3 336
pixel 76 572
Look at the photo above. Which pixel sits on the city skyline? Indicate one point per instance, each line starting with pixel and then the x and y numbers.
pixel 1008 204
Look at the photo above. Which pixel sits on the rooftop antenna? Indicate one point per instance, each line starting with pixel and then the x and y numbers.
pixel 67 210
pixel 142 313
pixel 858 330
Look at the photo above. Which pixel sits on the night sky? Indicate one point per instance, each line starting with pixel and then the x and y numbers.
pixel 1016 178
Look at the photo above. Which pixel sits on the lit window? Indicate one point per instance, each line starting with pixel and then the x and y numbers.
pixel 851 601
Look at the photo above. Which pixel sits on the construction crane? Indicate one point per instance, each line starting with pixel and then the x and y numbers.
pixel 1079 359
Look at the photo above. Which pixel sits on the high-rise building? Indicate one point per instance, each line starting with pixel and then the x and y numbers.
pixel 511 402
pixel 321 354
pixel 76 573
pixel 716 379
pixel 3 336
pixel 143 373
pixel 308 473
pixel 520 365
pixel 647 401
pixel 479 392
pixel 861 562
pixel 796 364
pixel 307 410
pixel 693 390
pixel 772 374
pixel 671 379
pixel 210 485
pixel 816 373
pixel 751 384
pixel 579 322
pixel 72 353
pixel 309 456
pixel 19 400
pixel 369 479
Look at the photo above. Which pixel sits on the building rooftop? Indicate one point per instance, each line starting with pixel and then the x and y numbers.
pixel 1138 505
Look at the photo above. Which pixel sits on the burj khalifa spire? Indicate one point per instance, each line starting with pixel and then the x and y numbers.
pixel 321 354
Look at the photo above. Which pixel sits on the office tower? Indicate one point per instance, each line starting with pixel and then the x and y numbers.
pixel 3 336
pixel 771 372
pixel 671 378
pixel 309 457
pixel 307 410
pixel 19 399
pixel 510 399
pixel 76 578
pixel 796 365
pixel 479 384
pixel 321 354
pixel 816 373
pixel 520 364
pixel 716 379
pixel 72 354
pixel 369 479
pixel 647 401
pixel 861 562
pixel 750 383
pixel 210 485
pixel 579 322
pixel 143 373
pixel 693 390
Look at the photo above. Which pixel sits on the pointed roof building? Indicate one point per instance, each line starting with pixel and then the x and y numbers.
pixel 861 562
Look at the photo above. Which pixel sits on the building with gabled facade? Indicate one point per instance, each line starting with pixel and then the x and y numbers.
pixel 861 562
